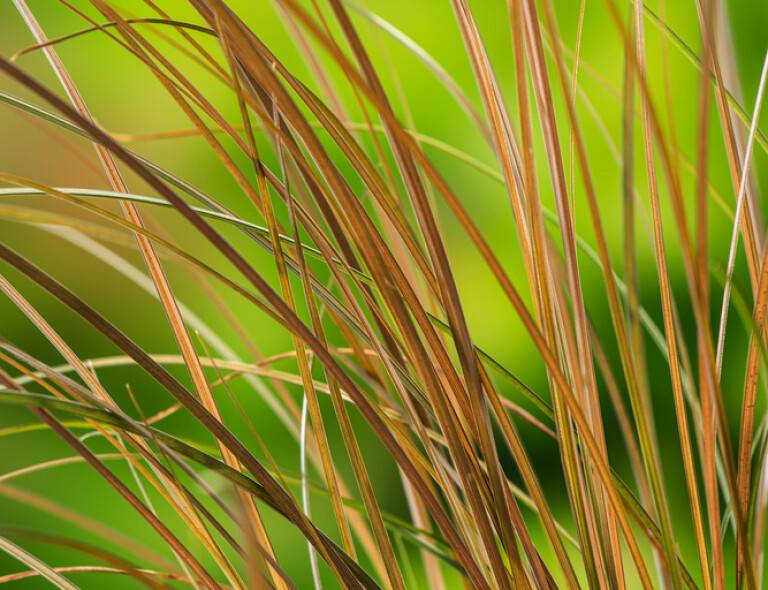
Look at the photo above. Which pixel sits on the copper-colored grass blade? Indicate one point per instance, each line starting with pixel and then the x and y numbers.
pixel 631 279
pixel 710 59
pixel 503 140
pixel 702 282
pixel 741 196
pixel 746 432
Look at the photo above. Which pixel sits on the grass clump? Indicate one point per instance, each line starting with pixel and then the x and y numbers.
pixel 306 399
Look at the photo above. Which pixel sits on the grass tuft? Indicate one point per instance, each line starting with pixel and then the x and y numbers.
pixel 253 332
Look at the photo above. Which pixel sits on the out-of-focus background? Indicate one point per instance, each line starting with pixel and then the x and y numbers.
pixel 126 99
